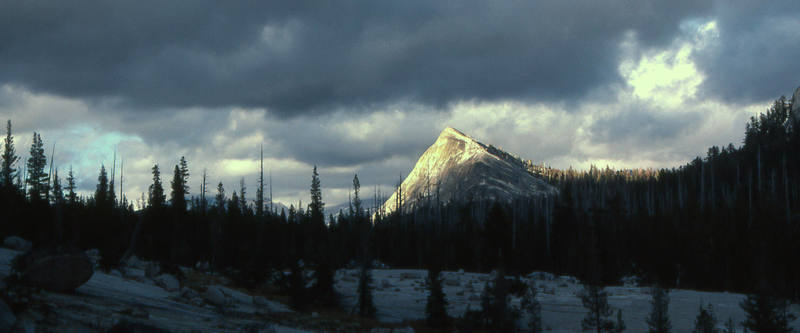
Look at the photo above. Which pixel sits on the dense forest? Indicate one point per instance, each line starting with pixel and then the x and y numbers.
pixel 726 221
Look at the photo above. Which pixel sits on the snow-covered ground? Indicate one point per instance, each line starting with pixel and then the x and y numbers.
pixel 108 298
pixel 401 295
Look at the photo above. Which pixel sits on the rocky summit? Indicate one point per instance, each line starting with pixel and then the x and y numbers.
pixel 458 168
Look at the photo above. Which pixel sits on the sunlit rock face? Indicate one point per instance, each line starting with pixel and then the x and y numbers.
pixel 458 167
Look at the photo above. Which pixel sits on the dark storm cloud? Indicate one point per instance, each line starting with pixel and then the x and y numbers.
pixel 640 126
pixel 756 56
pixel 312 57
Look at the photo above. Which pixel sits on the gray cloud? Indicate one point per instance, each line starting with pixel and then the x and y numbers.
pixel 301 57
pixel 366 86
pixel 755 57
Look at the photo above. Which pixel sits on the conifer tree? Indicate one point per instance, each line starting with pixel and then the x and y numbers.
pixel 436 307
pixel 595 299
pixel 766 313
pixel 184 174
pixel 58 193
pixel 366 308
pixel 324 291
pixel 316 207
pixel 242 196
pixel 260 190
pixel 298 293
pixel 72 197
pixel 495 308
pixel 658 320
pixel 10 158
pixel 233 204
pixel 706 321
pixel 37 177
pixel 156 197
pixel 220 198
pixel 357 210
pixel 533 308
pixel 101 198
pixel 180 187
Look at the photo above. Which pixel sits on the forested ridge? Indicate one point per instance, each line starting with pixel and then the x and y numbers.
pixel 726 221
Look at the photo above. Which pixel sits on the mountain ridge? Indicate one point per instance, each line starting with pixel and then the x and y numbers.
pixel 457 167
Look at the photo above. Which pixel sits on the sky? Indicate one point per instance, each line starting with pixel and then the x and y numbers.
pixel 366 86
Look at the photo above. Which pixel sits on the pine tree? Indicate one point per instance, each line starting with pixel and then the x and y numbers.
pixel 298 293
pixel 184 175
pixel 324 291
pixel 357 210
pixel 37 177
pixel 766 313
pixel 317 207
pixel 156 197
pixel 595 299
pixel 58 193
pixel 260 190
pixel 365 306
pixel 242 196
pixel 180 187
pixel 72 197
pixel 658 321
pixel 220 198
pixel 706 321
pixel 495 308
pixel 233 204
pixel 10 159
pixel 533 308
pixel 101 198
pixel 436 307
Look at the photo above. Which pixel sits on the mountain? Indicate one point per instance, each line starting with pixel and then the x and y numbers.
pixel 458 167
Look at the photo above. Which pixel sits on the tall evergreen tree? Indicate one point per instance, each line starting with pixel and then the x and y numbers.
pixel 184 174
pixel 706 321
pixel 10 158
pixel 365 306
pixel 323 288
pixel 316 207
pixel 177 198
pixel 595 299
pixel 436 307
pixel 220 198
pixel 101 198
pixel 58 192
pixel 766 313
pixel 180 186
pixel 658 320
pixel 298 293
pixel 72 197
pixel 243 196
pixel 357 210
pixel 37 177
pixel 533 308
pixel 260 190
pixel 156 197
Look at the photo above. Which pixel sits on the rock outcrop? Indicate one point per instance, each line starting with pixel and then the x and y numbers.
pixel 58 272
pixel 17 243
